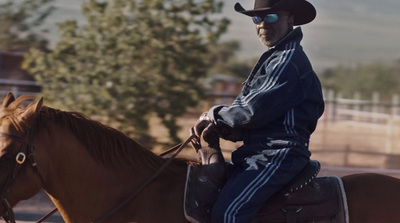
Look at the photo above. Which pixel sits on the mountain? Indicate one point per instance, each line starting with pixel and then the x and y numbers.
pixel 344 32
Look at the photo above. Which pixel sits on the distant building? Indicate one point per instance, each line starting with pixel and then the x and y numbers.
pixel 10 66
pixel 12 77
pixel 222 90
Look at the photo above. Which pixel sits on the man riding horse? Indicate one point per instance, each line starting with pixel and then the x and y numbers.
pixel 274 115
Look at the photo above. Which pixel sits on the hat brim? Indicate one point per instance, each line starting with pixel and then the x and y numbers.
pixel 303 11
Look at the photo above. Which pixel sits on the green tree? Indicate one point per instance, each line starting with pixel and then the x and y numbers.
pixel 132 59
pixel 20 23
pixel 224 60
pixel 375 77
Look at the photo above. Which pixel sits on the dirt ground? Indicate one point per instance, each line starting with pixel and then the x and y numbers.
pixel 342 148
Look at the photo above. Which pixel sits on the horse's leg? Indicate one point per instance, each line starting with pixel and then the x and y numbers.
pixel 372 198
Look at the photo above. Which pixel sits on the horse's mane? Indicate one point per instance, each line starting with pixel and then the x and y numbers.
pixel 108 145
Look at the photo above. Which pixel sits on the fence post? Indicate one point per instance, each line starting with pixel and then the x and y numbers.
pixel 330 108
pixel 357 106
pixel 375 106
pixel 395 113
pixel 328 116
pixel 392 125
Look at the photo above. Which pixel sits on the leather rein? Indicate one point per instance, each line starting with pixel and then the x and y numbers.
pixel 26 151
pixel 178 148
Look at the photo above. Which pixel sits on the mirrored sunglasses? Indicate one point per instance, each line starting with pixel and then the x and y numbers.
pixel 268 18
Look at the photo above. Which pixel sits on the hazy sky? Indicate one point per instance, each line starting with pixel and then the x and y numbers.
pixel 344 32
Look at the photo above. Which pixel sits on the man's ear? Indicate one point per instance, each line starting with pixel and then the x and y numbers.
pixel 291 20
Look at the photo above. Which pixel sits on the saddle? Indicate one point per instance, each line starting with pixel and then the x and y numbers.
pixel 305 199
pixel 322 200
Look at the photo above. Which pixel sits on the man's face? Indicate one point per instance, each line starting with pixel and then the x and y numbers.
pixel 271 33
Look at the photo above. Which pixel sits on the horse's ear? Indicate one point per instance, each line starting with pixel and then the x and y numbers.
pixel 32 111
pixel 8 100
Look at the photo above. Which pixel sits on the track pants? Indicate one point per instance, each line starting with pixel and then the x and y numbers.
pixel 259 174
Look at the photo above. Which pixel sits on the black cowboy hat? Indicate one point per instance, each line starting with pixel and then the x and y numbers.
pixel 302 10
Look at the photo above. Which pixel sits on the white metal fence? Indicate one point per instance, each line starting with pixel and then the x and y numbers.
pixel 356 132
pixel 373 114
pixel 369 112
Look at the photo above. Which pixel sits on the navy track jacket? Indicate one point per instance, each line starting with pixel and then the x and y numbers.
pixel 282 97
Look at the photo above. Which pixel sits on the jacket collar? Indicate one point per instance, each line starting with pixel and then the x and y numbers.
pixel 295 35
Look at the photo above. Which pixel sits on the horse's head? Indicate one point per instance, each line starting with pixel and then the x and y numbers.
pixel 19 179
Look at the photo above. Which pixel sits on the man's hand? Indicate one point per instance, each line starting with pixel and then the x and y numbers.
pixel 198 129
pixel 211 136
pixel 206 129
pixel 201 124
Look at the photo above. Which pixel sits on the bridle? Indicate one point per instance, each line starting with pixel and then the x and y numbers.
pixel 25 153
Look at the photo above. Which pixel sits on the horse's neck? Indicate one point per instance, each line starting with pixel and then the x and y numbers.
pixel 75 180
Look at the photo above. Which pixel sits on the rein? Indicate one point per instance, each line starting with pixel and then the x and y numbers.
pixel 178 149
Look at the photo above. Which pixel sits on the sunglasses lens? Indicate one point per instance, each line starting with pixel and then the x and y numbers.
pixel 257 19
pixel 271 18
pixel 268 18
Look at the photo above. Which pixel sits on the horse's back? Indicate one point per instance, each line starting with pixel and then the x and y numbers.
pixel 372 198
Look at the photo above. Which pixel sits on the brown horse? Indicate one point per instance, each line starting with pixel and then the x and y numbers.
pixel 87 169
